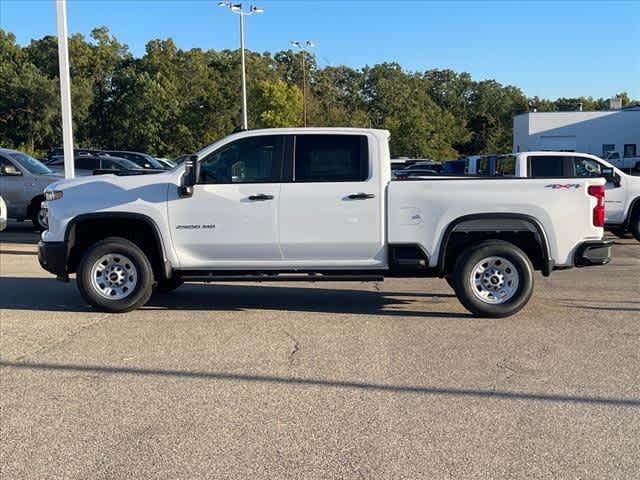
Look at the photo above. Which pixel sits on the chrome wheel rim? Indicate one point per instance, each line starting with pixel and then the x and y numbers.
pixel 114 276
pixel 43 219
pixel 494 280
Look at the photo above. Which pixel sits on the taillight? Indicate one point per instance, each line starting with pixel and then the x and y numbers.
pixel 598 211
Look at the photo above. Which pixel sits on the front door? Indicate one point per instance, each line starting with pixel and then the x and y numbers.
pixel 231 220
pixel 12 189
pixel 331 213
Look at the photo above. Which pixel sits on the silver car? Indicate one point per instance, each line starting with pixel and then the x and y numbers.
pixel 22 183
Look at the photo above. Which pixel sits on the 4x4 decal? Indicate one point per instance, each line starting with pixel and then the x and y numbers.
pixel 560 186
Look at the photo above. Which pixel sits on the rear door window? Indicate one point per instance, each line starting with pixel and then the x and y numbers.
pixel 331 158
pixel 547 166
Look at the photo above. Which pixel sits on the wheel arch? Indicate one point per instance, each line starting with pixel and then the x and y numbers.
pixel 35 201
pixel 544 263
pixel 633 208
pixel 139 228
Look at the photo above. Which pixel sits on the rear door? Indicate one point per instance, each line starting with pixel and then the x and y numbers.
pixel 331 210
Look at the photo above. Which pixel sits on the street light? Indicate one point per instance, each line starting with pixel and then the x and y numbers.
pixel 65 88
pixel 237 9
pixel 304 48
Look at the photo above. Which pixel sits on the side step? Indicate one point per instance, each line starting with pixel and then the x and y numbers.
pixel 278 277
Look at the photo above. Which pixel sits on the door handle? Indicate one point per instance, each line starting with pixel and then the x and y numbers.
pixel 261 197
pixel 360 196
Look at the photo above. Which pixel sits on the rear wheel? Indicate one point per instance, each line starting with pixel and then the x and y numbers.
pixel 115 276
pixel 634 225
pixel 493 279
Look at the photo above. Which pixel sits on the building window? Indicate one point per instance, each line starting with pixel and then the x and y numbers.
pixel 606 148
pixel 630 150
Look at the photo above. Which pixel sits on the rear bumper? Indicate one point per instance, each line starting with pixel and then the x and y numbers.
pixel 596 252
pixel 53 258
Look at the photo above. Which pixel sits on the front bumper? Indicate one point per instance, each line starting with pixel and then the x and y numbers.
pixel 596 252
pixel 53 258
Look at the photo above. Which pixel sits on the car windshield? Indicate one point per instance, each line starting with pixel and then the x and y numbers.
pixel 123 164
pixel 138 158
pixel 31 164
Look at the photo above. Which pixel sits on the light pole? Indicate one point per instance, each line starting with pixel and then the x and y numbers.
pixel 65 88
pixel 237 9
pixel 304 48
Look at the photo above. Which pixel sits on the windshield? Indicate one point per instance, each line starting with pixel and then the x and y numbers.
pixel 120 164
pixel 139 159
pixel 31 164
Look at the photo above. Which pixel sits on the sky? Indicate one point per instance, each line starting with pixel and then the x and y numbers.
pixel 547 48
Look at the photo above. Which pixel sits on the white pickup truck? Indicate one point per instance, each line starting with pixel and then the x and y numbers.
pixel 316 204
pixel 622 202
pixel 624 162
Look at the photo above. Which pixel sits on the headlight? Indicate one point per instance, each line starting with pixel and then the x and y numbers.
pixel 52 195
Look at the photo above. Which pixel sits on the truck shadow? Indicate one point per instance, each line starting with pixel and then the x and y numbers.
pixel 44 294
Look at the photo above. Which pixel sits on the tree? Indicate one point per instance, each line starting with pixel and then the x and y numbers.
pixel 277 104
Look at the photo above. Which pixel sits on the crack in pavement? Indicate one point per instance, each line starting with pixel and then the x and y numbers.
pixel 294 349
pixel 65 338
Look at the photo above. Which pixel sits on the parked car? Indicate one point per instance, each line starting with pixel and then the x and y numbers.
pixel 425 164
pixel 622 202
pixel 3 214
pixel 414 172
pixel 480 165
pixel 22 183
pixel 316 204
pixel 59 152
pixel 143 160
pixel 181 159
pixel 454 167
pixel 85 165
pixel 624 162
pixel 168 164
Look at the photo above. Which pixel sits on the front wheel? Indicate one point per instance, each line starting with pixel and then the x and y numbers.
pixel 39 217
pixel 493 279
pixel 115 276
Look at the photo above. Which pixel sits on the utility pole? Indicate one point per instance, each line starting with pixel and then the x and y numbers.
pixel 65 88
pixel 237 9
pixel 304 48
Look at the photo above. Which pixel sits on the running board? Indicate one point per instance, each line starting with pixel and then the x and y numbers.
pixel 302 277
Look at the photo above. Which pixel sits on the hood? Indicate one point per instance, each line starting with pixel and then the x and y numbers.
pixel 126 181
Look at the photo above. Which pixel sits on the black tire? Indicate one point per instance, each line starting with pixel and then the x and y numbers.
pixel 137 296
pixel 472 257
pixel 38 223
pixel 634 224
pixel 167 285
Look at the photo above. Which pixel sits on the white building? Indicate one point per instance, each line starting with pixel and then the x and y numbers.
pixel 586 132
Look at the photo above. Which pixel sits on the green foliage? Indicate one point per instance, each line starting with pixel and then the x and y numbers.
pixel 279 104
pixel 173 101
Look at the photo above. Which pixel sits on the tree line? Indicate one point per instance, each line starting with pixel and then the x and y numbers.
pixel 173 101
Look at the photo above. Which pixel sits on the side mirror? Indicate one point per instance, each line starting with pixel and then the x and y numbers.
pixel 611 176
pixel 190 177
pixel 10 171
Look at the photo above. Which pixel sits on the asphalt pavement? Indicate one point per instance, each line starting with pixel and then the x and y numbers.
pixel 391 380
